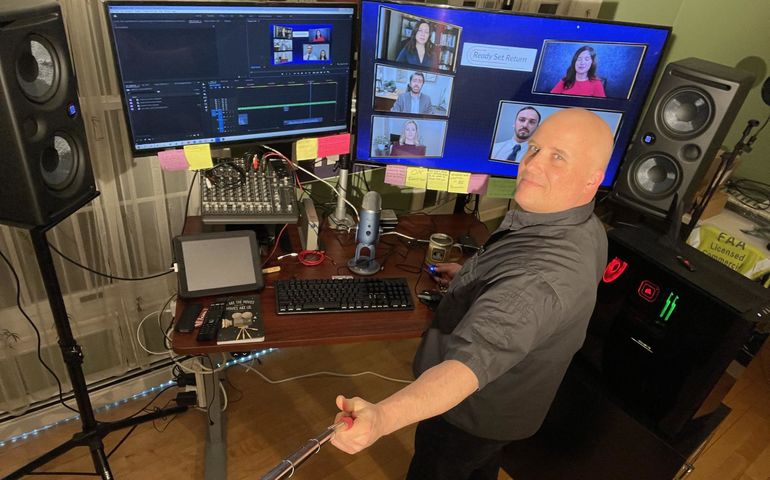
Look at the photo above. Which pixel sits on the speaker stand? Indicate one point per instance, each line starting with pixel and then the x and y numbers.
pixel 93 431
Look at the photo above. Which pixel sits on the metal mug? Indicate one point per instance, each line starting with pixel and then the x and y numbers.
pixel 440 249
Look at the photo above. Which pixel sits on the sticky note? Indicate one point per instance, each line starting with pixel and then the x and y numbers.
pixel 395 175
pixel 499 187
pixel 458 182
pixel 416 177
pixel 198 156
pixel 478 183
pixel 172 160
pixel 334 145
pixel 307 149
pixel 438 179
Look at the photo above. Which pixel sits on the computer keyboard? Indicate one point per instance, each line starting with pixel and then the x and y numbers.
pixel 342 295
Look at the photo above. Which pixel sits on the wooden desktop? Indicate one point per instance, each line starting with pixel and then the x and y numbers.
pixel 324 328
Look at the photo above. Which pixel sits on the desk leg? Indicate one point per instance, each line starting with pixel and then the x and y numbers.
pixel 216 435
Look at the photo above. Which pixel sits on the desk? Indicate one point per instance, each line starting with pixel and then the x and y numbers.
pixel 302 330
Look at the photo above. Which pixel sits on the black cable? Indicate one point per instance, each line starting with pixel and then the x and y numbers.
pixel 125 437
pixel 144 407
pixel 187 202
pixel 37 332
pixel 105 275
pixel 167 341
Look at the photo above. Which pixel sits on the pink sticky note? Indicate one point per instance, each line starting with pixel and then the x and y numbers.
pixel 172 160
pixel 334 145
pixel 478 183
pixel 395 175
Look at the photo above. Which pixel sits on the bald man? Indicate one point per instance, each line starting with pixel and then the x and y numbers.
pixel 513 316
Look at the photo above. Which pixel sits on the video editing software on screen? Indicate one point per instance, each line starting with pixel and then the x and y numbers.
pixel 223 73
pixel 463 90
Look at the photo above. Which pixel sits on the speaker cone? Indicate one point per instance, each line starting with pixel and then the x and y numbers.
pixel 686 112
pixel 656 175
pixel 59 162
pixel 37 69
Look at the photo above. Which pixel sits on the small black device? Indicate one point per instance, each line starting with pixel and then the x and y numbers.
pixel 217 263
pixel 186 322
pixel 212 321
pixel 342 295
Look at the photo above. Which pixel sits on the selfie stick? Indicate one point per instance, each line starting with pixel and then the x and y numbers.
pixel 286 468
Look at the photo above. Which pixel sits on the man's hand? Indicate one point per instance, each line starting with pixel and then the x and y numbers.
pixel 445 272
pixel 366 429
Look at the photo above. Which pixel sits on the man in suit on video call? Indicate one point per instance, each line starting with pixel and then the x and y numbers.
pixel 413 100
pixel 513 149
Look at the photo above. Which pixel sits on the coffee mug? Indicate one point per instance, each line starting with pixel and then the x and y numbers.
pixel 440 249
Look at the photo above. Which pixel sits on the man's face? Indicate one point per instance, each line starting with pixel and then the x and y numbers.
pixel 309 49
pixel 560 169
pixel 525 124
pixel 415 84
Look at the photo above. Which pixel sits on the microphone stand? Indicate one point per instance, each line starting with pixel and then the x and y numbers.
pixel 340 219
pixel 727 160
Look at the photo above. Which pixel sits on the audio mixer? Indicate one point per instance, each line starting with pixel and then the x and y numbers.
pixel 232 192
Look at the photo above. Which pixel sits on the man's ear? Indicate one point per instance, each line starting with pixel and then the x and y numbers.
pixel 595 180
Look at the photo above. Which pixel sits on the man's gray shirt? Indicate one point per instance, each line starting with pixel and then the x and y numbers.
pixel 515 314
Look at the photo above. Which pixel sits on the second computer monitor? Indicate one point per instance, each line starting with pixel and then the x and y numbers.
pixel 219 73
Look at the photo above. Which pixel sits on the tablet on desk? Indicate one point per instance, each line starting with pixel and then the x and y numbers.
pixel 217 263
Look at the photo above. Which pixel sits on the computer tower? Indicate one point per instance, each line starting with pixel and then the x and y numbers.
pixel 668 322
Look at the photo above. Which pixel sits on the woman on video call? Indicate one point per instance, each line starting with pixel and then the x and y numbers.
pixel 581 78
pixel 419 50
pixel 409 143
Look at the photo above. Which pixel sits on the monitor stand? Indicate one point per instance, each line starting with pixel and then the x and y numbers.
pixel 340 219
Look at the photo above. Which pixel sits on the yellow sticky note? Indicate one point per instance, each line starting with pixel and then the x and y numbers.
pixel 458 182
pixel 501 187
pixel 198 156
pixel 416 177
pixel 438 179
pixel 307 149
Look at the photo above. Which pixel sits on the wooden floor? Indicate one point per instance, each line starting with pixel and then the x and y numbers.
pixel 268 422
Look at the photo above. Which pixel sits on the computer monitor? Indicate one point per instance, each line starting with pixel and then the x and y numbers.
pixel 487 79
pixel 218 73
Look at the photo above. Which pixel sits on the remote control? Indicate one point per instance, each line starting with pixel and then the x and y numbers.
pixel 211 322
pixel 186 321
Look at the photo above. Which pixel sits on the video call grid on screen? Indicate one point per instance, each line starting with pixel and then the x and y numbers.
pixel 291 42
pixel 493 66
pixel 187 81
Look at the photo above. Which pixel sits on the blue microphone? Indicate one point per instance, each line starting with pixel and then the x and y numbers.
pixel 367 235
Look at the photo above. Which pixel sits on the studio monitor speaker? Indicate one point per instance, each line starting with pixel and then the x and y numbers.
pixel 690 114
pixel 44 165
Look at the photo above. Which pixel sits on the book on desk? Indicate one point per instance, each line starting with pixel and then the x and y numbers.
pixel 242 321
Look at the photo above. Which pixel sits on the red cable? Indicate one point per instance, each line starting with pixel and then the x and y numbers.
pixel 320 257
pixel 275 246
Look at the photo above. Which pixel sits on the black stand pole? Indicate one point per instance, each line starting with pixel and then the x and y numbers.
pixel 726 162
pixel 93 431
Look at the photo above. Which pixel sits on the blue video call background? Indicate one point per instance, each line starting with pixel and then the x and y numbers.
pixel 478 91
pixel 616 64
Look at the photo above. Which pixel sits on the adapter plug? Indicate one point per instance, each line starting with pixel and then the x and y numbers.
pixel 185 379
pixel 186 399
